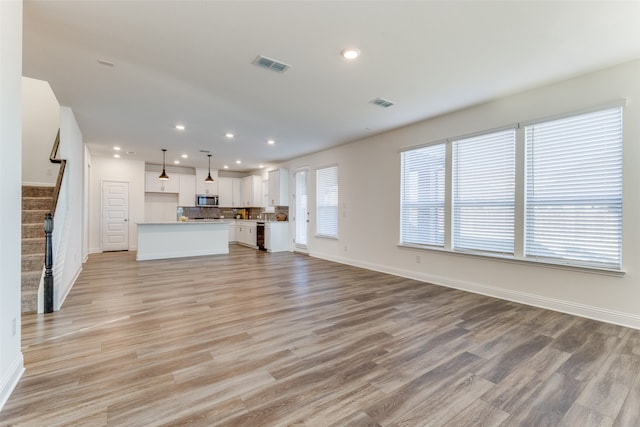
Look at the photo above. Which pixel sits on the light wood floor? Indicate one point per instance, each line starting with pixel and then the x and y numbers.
pixel 256 339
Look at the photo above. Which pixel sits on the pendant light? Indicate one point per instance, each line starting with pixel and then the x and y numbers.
pixel 163 176
pixel 208 178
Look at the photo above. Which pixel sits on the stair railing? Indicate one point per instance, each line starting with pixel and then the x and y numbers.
pixel 48 227
pixel 53 158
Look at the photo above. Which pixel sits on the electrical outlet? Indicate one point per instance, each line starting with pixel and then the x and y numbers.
pixel 417 259
pixel 13 327
pixel 345 248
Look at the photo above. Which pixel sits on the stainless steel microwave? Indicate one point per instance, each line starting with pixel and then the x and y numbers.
pixel 206 200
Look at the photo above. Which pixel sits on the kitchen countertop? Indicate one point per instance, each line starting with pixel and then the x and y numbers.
pixel 258 220
pixel 210 221
pixel 191 221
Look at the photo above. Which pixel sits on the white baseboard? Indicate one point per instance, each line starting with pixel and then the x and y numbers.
pixel 591 312
pixel 9 382
pixel 73 282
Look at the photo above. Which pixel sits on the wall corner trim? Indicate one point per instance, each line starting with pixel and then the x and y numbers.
pixel 8 384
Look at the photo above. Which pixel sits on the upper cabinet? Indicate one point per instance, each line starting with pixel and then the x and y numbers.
pixel 153 185
pixel 252 191
pixel 229 190
pixel 207 188
pixel 279 187
pixel 187 196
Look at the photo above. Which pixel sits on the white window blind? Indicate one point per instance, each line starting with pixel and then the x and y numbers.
pixel 327 202
pixel 573 202
pixel 422 196
pixel 484 192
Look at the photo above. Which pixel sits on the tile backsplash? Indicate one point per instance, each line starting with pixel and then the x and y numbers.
pixel 230 213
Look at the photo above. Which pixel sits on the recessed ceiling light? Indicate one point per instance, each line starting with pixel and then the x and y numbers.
pixel 261 166
pixel 350 53
pixel 177 162
pixel 226 166
pixel 184 156
pixel 271 142
pixel 238 162
pixel 116 148
pixel 229 135
pixel 117 156
pixel 180 127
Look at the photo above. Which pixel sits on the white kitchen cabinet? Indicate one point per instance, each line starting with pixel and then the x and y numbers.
pixel 229 192
pixel 276 236
pixel 225 192
pixel 279 187
pixel 233 232
pixel 153 185
pixel 236 185
pixel 206 188
pixel 252 191
pixel 246 234
pixel 187 195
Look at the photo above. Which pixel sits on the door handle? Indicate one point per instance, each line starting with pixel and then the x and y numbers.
pixel 125 220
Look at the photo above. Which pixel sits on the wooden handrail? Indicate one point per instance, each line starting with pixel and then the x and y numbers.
pixel 53 158
pixel 48 228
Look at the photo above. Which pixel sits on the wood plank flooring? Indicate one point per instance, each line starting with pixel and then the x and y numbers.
pixel 257 339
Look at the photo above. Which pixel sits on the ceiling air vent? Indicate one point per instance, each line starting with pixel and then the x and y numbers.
pixel 270 64
pixel 385 103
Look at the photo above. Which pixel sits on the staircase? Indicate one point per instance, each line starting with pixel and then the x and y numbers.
pixel 36 202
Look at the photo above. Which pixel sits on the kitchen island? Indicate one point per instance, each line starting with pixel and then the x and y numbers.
pixel 161 240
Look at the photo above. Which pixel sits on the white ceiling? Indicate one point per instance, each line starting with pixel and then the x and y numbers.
pixel 189 62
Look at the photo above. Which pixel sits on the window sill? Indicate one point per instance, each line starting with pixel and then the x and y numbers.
pixel 512 260
pixel 324 236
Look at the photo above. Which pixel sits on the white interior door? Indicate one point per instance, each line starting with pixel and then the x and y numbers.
pixel 115 216
pixel 301 210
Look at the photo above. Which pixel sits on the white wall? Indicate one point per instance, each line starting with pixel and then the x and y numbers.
pixel 11 361
pixel 369 179
pixel 160 206
pixel 122 170
pixel 40 123
pixel 68 219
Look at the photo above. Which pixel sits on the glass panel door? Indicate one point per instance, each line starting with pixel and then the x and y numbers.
pixel 301 215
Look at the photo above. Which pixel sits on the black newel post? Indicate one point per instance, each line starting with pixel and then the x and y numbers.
pixel 48 264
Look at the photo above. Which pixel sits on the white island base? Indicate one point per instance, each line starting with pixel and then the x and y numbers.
pixel 161 240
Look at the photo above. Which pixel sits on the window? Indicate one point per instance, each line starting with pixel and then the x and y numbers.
pixel 484 192
pixel 422 196
pixel 327 202
pixel 574 189
pixel 548 191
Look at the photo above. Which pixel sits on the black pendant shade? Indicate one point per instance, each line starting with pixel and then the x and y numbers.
pixel 208 178
pixel 163 176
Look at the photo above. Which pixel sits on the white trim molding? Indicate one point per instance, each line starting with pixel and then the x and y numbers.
pixel 9 382
pixel 590 312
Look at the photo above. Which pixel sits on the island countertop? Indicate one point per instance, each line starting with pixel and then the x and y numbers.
pixel 175 239
pixel 191 221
